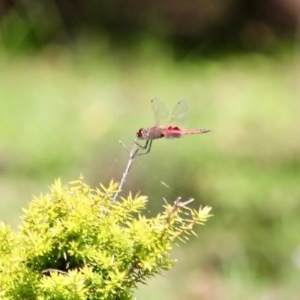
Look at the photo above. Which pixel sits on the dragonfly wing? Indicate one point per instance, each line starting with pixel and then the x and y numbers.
pixel 179 112
pixel 160 111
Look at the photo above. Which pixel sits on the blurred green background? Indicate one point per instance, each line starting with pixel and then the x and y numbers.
pixel 76 77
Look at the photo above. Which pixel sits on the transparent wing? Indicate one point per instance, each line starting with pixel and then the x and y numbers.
pixel 179 113
pixel 160 111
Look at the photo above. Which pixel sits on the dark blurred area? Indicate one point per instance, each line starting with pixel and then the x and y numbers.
pixel 196 27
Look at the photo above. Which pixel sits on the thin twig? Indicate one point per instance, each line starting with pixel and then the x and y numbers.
pixel 132 156
pixel 54 270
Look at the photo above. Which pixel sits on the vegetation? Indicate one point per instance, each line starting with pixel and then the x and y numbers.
pixel 74 243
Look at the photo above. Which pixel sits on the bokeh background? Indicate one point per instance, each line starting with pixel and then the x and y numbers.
pixel 78 76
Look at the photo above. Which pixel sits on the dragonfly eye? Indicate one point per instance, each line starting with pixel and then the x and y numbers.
pixel 140 133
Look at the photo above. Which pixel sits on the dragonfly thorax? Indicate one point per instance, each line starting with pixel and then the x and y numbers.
pixel 150 133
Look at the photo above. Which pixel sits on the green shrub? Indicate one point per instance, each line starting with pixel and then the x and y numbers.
pixel 75 243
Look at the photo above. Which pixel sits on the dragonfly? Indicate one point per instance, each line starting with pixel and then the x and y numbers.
pixel 170 130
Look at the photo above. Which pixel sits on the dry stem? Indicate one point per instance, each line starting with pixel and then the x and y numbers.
pixel 132 155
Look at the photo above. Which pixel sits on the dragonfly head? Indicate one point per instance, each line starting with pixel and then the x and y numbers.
pixel 142 134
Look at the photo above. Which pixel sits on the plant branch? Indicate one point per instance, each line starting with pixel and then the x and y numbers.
pixel 132 155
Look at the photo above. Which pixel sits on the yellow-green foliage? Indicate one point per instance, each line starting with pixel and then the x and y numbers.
pixel 74 243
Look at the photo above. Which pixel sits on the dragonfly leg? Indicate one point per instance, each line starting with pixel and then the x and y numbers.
pixel 146 147
pixel 142 146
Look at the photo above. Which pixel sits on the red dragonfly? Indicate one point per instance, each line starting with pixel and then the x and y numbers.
pixel 169 131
